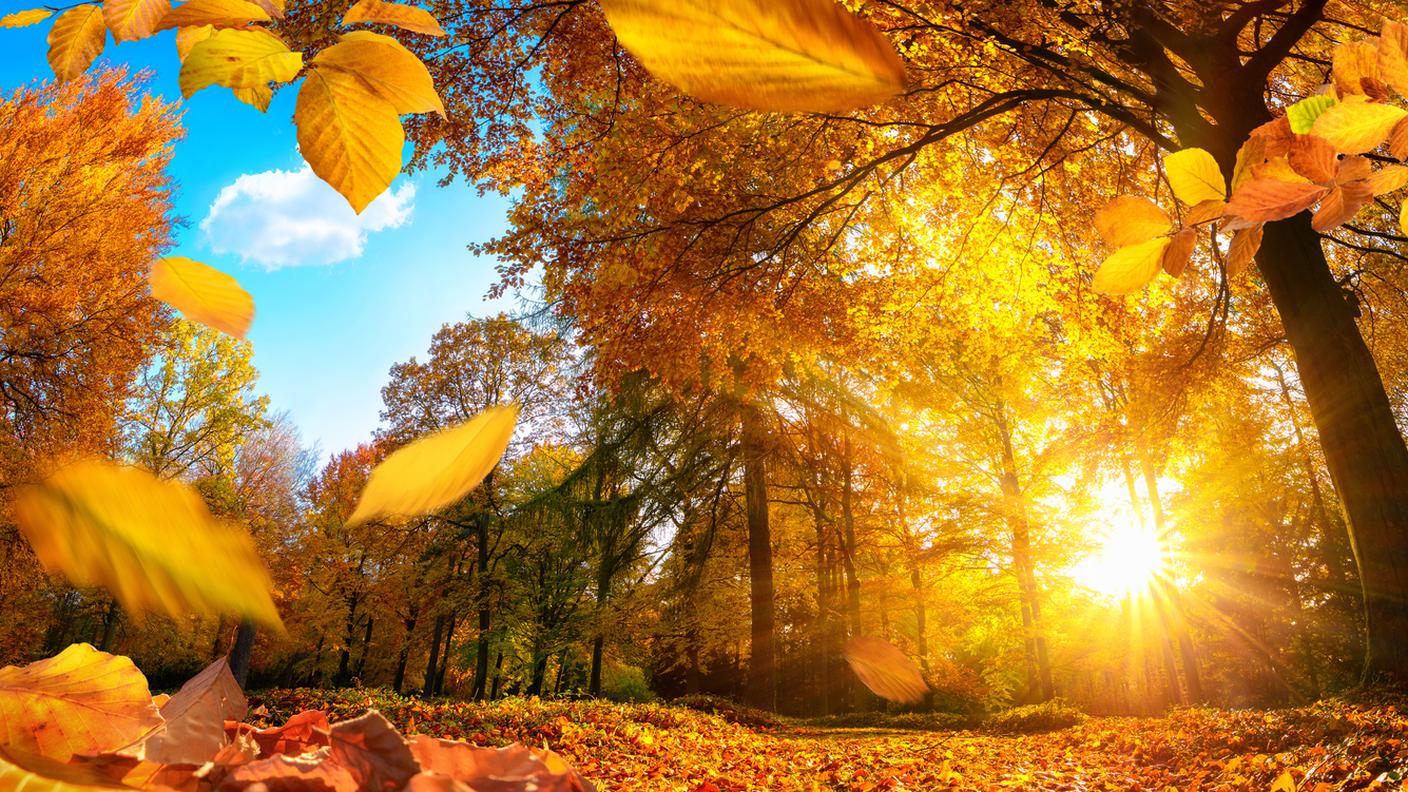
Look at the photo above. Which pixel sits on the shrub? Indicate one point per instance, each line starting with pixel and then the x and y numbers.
pixel 907 721
pixel 729 710
pixel 1051 715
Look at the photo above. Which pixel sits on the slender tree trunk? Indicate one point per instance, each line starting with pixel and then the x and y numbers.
pixel 848 546
pixel 1364 449
pixel 603 592
pixel 481 568
pixel 1023 565
pixel 498 676
pixel 405 654
pixel 110 619
pixel 366 644
pixel 762 662
pixel 242 651
pixel 445 658
pixel 432 664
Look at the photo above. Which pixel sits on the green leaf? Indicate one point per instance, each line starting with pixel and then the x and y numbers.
pixel 1302 114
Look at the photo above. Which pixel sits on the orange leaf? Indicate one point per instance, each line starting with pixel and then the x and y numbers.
pixel 1245 244
pixel 195 717
pixel 1263 200
pixel 1179 250
pixel 1129 220
pixel 1341 205
pixel 887 671
pixel 406 17
pixel 1314 158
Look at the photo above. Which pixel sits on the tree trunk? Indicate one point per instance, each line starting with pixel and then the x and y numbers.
pixel 242 651
pixel 603 591
pixel 1364 449
pixel 445 658
pixel 762 664
pixel 405 655
pixel 432 664
pixel 481 569
pixel 366 644
pixel 1038 658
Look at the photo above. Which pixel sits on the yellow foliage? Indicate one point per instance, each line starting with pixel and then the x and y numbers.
pixel 1194 176
pixel 416 20
pixel 1356 125
pixel 238 59
pixel 1129 220
pixel 221 13
pixel 130 20
pixel 349 134
pixel 388 68
pixel 75 40
pixel 25 18
pixel 1130 268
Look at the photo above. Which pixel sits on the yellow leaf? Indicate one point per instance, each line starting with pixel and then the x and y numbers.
pixel 1129 220
pixel 1355 125
pixel 1130 268
pixel 22 770
pixel 188 37
pixel 78 701
pixel 416 20
pixel 25 18
pixel 1393 56
pixel 238 59
pixel 1194 176
pixel 130 20
pixel 1354 63
pixel 151 543
pixel 438 470
pixel 257 97
pixel 1403 218
pixel 388 67
pixel 778 55
pixel 885 670
pixel 1284 783
pixel 1279 169
pixel 220 13
pixel 349 134
pixel 1388 179
pixel 203 294
pixel 75 40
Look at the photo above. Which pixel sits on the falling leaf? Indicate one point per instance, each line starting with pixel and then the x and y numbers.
pixel 238 59
pixel 75 40
pixel 152 543
pixel 220 13
pixel 1194 176
pixel 25 18
pixel 130 20
pixel 349 134
pixel 1263 200
pixel 78 701
pixel 416 20
pixel 1180 248
pixel 1302 114
pixel 203 294
pixel 438 470
pixel 884 669
pixel 1130 268
pixel 1129 220
pixel 195 718
pixel 777 55
pixel 1356 125
pixel 388 67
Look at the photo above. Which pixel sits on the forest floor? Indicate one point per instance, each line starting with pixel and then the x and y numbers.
pixel 1330 745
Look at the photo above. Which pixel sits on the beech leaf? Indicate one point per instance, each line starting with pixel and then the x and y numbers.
pixel 1393 56
pixel 884 669
pixel 1179 250
pixel 1314 158
pixel 195 718
pixel 1341 204
pixel 1194 176
pixel 238 59
pixel 220 13
pixel 78 701
pixel 152 543
pixel 388 68
pixel 1129 220
pixel 349 134
pixel 776 55
pixel 130 20
pixel 76 40
pixel 1245 244
pixel 1130 268
pixel 25 18
pixel 1357 125
pixel 203 294
pixel 512 767
pixel 1263 200
pixel 437 470
pixel 406 17
pixel 1302 114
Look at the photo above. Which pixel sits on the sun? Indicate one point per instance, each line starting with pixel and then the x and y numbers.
pixel 1128 562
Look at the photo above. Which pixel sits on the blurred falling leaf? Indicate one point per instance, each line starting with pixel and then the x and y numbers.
pixel 195 717
pixel 152 543
pixel 203 294
pixel 887 671
pixel 25 18
pixel 777 55
pixel 78 701
pixel 416 20
pixel 438 470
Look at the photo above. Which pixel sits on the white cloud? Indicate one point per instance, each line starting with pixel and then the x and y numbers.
pixel 289 218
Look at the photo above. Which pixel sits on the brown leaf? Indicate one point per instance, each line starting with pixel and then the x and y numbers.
pixel 1177 254
pixel 303 732
pixel 306 773
pixel 1245 244
pixel 1314 158
pixel 434 782
pixel 195 717
pixel 1353 169
pixel 135 772
pixel 373 751
pixel 888 672
pixel 1265 200
pixel 507 769
pixel 1342 204
pixel 1398 140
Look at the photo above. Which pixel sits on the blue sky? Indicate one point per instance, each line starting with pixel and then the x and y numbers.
pixel 324 334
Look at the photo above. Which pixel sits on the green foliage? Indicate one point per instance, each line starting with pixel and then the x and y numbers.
pixel 904 721
pixel 625 683
pixel 1047 716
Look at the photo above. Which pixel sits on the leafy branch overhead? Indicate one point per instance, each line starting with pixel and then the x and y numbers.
pixel 1320 156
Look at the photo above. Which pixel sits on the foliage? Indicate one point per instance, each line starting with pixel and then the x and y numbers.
pixel 729 710
pixel 1046 716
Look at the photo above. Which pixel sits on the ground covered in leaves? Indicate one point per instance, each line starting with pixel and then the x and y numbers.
pixel 1333 745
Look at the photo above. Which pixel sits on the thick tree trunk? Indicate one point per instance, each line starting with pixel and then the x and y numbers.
pixel 762 663
pixel 242 651
pixel 1364 448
